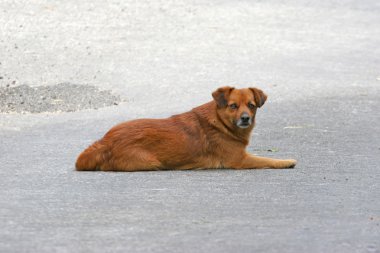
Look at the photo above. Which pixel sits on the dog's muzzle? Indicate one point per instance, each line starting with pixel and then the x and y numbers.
pixel 244 121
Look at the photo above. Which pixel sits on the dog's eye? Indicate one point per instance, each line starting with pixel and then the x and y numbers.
pixel 233 106
pixel 251 106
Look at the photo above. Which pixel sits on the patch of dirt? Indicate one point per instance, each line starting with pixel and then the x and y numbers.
pixel 64 97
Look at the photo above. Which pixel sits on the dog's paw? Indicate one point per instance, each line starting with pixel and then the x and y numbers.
pixel 290 163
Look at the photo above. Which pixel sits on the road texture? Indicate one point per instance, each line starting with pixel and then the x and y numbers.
pixel 319 63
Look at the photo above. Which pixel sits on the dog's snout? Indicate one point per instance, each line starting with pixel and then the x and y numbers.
pixel 245 117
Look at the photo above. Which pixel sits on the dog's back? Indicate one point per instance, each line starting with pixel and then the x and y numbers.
pixel 139 143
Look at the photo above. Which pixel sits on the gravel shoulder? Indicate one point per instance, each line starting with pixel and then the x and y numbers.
pixel 63 97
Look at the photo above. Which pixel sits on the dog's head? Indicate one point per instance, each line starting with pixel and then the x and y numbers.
pixel 237 107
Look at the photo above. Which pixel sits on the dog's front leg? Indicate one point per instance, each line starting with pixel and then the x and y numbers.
pixel 256 162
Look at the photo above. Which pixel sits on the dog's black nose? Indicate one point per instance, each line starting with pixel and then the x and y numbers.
pixel 245 117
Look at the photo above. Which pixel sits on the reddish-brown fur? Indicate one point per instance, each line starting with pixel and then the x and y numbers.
pixel 205 137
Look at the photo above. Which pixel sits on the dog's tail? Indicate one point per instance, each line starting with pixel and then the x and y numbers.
pixel 93 157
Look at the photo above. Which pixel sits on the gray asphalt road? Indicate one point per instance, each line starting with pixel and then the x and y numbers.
pixel 319 63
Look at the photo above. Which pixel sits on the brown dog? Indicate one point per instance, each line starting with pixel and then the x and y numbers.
pixel 213 135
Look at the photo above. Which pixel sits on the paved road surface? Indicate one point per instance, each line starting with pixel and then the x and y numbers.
pixel 319 62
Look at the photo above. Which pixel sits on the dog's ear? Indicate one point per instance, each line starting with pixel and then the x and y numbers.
pixel 259 96
pixel 221 95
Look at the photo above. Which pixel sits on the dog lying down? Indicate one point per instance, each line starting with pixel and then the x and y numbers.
pixel 213 135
